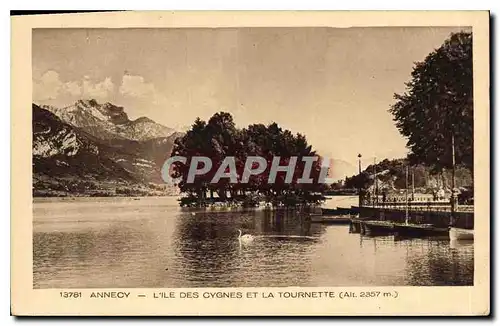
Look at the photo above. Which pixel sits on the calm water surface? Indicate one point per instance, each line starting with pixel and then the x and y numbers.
pixel 151 242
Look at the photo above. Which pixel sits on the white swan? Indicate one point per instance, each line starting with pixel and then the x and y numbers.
pixel 245 238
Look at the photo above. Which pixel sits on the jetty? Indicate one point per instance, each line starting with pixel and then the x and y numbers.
pixel 411 217
pixel 408 218
pixel 412 222
pixel 437 216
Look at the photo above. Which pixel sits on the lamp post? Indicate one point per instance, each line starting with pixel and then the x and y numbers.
pixel 359 180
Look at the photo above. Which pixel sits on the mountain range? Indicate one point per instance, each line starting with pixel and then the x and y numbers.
pixel 94 149
pixel 108 121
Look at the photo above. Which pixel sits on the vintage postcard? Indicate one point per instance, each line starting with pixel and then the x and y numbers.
pixel 251 163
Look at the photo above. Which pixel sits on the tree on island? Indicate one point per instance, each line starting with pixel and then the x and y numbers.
pixel 437 106
pixel 219 138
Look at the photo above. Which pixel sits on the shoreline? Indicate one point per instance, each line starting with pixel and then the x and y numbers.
pixel 95 198
pixel 55 199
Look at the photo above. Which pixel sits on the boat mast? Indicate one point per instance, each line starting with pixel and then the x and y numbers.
pixel 453 199
pixel 359 183
pixel 375 197
pixel 413 184
pixel 406 195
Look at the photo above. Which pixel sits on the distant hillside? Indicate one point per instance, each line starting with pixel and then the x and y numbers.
pixel 86 159
pixel 391 176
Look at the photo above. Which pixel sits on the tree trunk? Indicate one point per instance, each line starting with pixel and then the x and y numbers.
pixel 221 193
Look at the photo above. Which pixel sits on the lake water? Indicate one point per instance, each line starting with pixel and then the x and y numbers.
pixel 151 242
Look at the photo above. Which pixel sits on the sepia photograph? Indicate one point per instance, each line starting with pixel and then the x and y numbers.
pixel 254 157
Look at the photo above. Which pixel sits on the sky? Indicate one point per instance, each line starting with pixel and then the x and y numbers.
pixel 335 85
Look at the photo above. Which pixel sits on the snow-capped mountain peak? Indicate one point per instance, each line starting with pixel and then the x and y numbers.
pixel 107 121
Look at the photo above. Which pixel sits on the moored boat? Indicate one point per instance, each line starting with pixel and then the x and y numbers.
pixel 417 230
pixel 376 227
pixel 461 234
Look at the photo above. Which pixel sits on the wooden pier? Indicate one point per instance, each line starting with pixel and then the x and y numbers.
pixel 419 230
pixel 379 228
pixel 436 216
pixel 419 219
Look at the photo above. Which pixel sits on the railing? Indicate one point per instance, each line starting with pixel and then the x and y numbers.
pixel 421 206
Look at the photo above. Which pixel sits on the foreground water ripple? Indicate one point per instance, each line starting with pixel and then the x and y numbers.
pixel 151 242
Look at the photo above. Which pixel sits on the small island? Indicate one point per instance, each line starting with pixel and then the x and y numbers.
pixel 220 138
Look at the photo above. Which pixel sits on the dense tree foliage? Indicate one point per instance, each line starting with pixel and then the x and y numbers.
pixel 438 104
pixel 219 138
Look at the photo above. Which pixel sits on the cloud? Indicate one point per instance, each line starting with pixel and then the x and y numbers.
pixel 97 90
pixel 135 86
pixel 73 88
pixel 50 87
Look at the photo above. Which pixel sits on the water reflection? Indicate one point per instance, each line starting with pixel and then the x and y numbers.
pixel 438 261
pixel 208 249
pixel 149 243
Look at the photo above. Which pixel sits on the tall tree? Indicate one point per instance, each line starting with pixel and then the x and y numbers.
pixel 438 104
pixel 193 143
pixel 219 138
